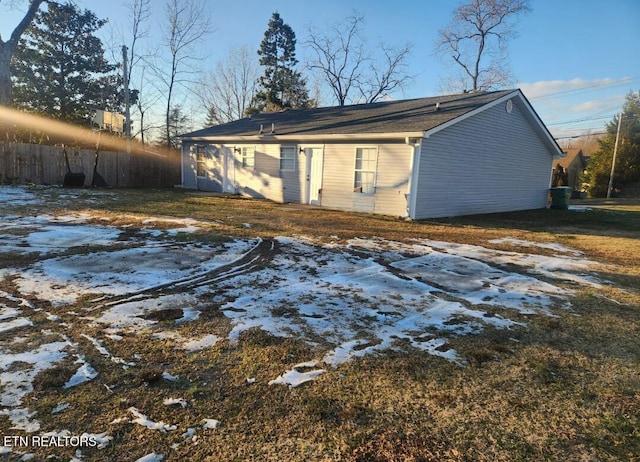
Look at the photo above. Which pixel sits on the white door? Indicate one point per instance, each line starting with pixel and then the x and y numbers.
pixel 228 171
pixel 314 175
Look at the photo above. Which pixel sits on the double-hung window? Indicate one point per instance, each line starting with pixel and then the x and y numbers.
pixel 287 158
pixel 365 171
pixel 248 155
pixel 201 161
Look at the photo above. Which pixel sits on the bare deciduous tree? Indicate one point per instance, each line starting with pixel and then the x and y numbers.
pixel 187 24
pixel 351 72
pixel 9 47
pixel 386 74
pixel 230 88
pixel 476 41
pixel 148 97
pixel 339 57
pixel 139 14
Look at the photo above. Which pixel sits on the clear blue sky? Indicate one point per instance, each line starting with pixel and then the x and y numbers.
pixel 574 59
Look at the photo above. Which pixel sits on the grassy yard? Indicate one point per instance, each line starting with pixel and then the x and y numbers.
pixel 565 387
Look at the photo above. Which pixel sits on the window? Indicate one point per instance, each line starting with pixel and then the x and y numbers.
pixel 365 171
pixel 248 155
pixel 201 161
pixel 287 158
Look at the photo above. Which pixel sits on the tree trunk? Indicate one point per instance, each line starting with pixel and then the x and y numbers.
pixel 5 74
pixel 6 52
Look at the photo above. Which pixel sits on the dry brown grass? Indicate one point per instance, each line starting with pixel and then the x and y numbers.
pixel 564 388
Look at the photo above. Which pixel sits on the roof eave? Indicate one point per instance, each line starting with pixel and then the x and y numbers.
pixel 471 113
pixel 301 138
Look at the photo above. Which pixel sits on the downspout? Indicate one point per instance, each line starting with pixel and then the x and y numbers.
pixel 414 175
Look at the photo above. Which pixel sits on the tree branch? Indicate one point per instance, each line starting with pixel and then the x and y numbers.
pixel 23 24
pixel 480 28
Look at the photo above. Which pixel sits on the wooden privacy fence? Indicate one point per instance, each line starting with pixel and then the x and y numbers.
pixel 40 164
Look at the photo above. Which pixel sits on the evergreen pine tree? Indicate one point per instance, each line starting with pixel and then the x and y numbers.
pixel 59 66
pixel 179 123
pixel 627 170
pixel 281 86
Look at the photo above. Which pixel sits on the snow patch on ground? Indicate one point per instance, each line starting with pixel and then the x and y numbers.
pixel 560 267
pixel 173 401
pixel 142 419
pixel 63 279
pixel 373 294
pixel 84 374
pixel 294 378
pixel 151 457
pixel 210 424
pixel 14 324
pixel 542 245
pixel 18 381
pixel 202 343
pixel 47 234
pixel 18 196
pixel 170 377
pixel 60 408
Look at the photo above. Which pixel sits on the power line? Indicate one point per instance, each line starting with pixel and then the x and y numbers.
pixel 579 136
pixel 600 85
pixel 572 131
pixel 586 119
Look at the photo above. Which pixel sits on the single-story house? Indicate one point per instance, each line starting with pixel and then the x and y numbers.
pixel 470 153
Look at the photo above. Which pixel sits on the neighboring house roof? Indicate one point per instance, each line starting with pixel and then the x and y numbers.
pixel 572 155
pixel 413 117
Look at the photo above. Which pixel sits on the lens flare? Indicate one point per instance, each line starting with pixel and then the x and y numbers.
pixel 70 133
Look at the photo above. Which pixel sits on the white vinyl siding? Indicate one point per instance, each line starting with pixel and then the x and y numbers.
pixel 491 162
pixel 263 180
pixel 337 181
pixel 200 167
pixel 391 183
pixel 215 159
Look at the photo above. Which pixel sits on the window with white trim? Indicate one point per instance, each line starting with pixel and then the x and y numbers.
pixel 287 158
pixel 201 161
pixel 248 155
pixel 364 180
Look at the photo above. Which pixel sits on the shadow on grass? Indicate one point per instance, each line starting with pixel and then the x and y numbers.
pixel 609 221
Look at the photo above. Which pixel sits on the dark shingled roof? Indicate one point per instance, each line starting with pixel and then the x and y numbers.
pixel 413 115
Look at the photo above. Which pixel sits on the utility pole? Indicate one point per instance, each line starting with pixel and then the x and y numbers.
pixel 613 162
pixel 127 113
